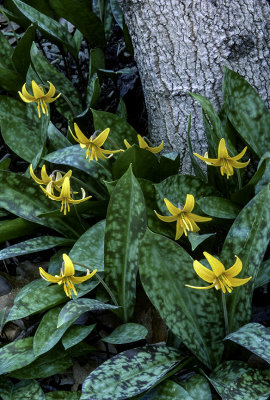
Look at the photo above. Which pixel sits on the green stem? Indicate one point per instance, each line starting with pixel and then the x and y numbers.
pixel 10 24
pixel 102 282
pixel 226 321
pixel 79 217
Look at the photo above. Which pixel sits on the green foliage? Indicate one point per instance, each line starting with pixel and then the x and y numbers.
pixel 126 333
pixel 75 334
pixel 23 390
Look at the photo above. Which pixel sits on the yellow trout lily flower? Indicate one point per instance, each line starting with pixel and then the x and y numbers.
pixel 93 145
pixel 144 145
pixel 185 220
pixel 66 277
pixel 219 277
pixel 65 196
pixel 39 96
pixel 52 181
pixel 224 161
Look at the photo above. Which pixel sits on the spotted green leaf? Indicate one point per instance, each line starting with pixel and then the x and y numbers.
pixel 182 308
pixel 167 390
pixel 169 165
pixel 10 80
pixel 51 363
pixel 125 226
pixel 37 296
pixel 219 207
pixel 75 308
pixel 130 373
pixel 246 111
pixel 34 245
pixel 16 355
pixel 144 164
pixel 198 387
pixel 255 338
pixel 47 72
pixel 48 26
pixel 16 227
pixel 75 334
pixel 117 12
pixel 27 390
pixel 196 239
pixel 61 395
pixel 21 55
pixel 92 239
pixel 56 139
pixel 6 388
pixel 127 333
pixel 6 52
pixel 263 276
pixel 248 238
pixel 119 128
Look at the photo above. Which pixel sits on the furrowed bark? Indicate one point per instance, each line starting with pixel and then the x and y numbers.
pixel 181 46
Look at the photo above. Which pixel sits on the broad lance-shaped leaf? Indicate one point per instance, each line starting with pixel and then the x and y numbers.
pixel 248 238
pixel 127 333
pixel 75 334
pixel 125 226
pixel 24 390
pixel 33 246
pixel 16 355
pixel 255 338
pixel 75 308
pixel 219 207
pixel 263 276
pixel 246 111
pixel 193 315
pixel 130 373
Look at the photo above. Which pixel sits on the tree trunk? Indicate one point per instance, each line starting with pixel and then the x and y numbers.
pixel 181 46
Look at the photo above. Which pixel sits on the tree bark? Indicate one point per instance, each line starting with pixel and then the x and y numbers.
pixel 181 46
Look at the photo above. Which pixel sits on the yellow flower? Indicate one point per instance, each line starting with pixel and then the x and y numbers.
pixel 93 145
pixel 65 196
pixel 185 220
pixel 224 161
pixel 219 277
pixel 50 181
pixel 143 145
pixel 66 276
pixel 39 96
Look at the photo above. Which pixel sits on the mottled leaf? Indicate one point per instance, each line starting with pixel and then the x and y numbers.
pixel 219 207
pixel 169 165
pixel 16 355
pixel 75 308
pixel 75 334
pixel 194 160
pixel 198 388
pixel 21 56
pixel 16 227
pixel 119 128
pixel 10 80
pixel 255 338
pixel 144 164
pixel 33 246
pixel 80 14
pixel 127 333
pixel 51 363
pixel 182 308
pixel 6 388
pixel 196 239
pixel 92 239
pixel 61 395
pixel 56 138
pixel 125 226
pixel 117 12
pixel 248 238
pixel 130 373
pixel 28 390
pixel 47 72
pixel 167 390
pixel 263 276
pixel 246 111
pixel 6 51
pixel 48 25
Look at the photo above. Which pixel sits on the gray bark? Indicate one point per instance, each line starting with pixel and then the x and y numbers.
pixel 181 46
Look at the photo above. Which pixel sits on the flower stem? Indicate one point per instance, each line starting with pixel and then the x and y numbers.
pixel 226 321
pixel 10 24
pixel 102 282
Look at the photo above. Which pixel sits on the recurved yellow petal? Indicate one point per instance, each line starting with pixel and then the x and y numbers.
pixel 235 269
pixel 68 266
pixel 165 218
pixel 49 277
pixel 156 149
pixel 51 91
pixel 26 94
pixel 36 179
pixel 80 279
pixel 179 229
pixel 173 210
pixel 45 177
pixel 81 137
pixel 198 218
pixel 237 164
pixel 203 272
pixel 239 282
pixel 240 155
pixel 212 161
pixel 127 144
pixel 189 204
pixel 37 91
pixel 200 287
pixel 222 150
pixel 101 138
pixel 65 192
pixel 217 266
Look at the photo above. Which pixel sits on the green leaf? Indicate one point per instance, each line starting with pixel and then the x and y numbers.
pixel 127 333
pixel 47 72
pixel 248 238
pixel 194 161
pixel 28 390
pixel 219 207
pixel 79 13
pixel 169 165
pixel 17 227
pixel 130 373
pixel 97 61
pixel 56 138
pixel 117 12
pixel 92 239
pixel 167 390
pixel 10 80
pixel 61 395
pixel 75 308
pixel 75 334
pixel 21 56
pixel 16 129
pixel 48 334
pixel 255 338
pixel 198 387
pixel 51 363
pixel 196 239
pixel 263 276
pixel 16 355
pixel 119 128
pixel 48 26
pixel 6 52
pixel 246 111
pixel 33 246
pixel 144 164
pixel 6 388
pixel 183 309
pixel 125 226
pixel 37 296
